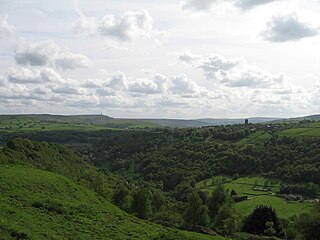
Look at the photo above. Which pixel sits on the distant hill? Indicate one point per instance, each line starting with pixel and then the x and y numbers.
pixel 311 117
pixel 84 119
pixel 217 121
pixel 207 121
pixel 120 123
pixel 179 123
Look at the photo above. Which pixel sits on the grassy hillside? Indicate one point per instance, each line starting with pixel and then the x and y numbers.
pixel 42 205
pixel 302 132
pixel 45 122
pixel 257 137
pixel 61 160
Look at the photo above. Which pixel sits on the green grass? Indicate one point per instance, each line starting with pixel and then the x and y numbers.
pixel 284 209
pixel 244 187
pixel 310 130
pixel 29 124
pixel 45 205
pixel 24 124
pixel 254 138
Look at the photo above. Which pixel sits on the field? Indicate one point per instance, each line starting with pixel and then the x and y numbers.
pixel 259 192
pixel 310 130
pixel 259 136
pixel 44 205
pixel 22 124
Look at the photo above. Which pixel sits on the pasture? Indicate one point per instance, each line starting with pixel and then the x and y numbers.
pixel 260 191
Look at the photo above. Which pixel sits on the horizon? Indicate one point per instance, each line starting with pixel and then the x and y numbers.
pixel 181 59
pixel 159 118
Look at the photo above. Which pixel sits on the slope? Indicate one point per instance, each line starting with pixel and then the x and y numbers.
pixel 37 204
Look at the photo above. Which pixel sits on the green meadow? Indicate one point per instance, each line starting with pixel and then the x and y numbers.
pixel 253 187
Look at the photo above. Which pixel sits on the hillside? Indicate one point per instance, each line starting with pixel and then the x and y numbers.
pixel 61 160
pixel 47 122
pixel 47 191
pixel 37 204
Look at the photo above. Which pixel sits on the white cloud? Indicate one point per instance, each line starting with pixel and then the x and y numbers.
pixel 48 53
pixel 288 28
pixel 185 87
pixel 5 27
pixel 157 85
pixel 249 87
pixel 207 5
pixel 249 4
pixel 71 61
pixel 198 5
pixel 234 72
pixel 3 81
pixel 67 89
pixel 26 75
pixel 131 25
pixel 118 81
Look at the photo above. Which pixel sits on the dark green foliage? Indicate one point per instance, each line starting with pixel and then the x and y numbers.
pixel 196 213
pixel 306 189
pixel 50 205
pixel 233 193
pixel 19 235
pixel 309 224
pixel 218 198
pixel 120 196
pixel 141 205
pixel 263 221
pixel 174 156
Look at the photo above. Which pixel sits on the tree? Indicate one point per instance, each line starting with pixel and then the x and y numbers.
pixel 196 213
pixel 218 198
pixel 120 196
pixel 263 221
pixel 140 204
pixel 309 224
pixel 225 212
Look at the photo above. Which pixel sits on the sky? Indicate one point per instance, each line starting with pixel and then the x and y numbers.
pixel 160 59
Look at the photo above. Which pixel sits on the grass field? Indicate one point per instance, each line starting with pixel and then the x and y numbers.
pixel 309 130
pixel 284 209
pixel 253 188
pixel 254 138
pixel 22 124
pixel 44 205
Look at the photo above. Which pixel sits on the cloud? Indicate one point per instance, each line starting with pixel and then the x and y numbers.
pixel 131 25
pixel 288 28
pixel 183 86
pixel 118 81
pixel 251 89
pixel 3 81
pixel 48 53
pixel 198 5
pixel 5 27
pixel 249 4
pixel 26 75
pixel 234 72
pixel 67 89
pixel 71 61
pixel 157 85
pixel 207 5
